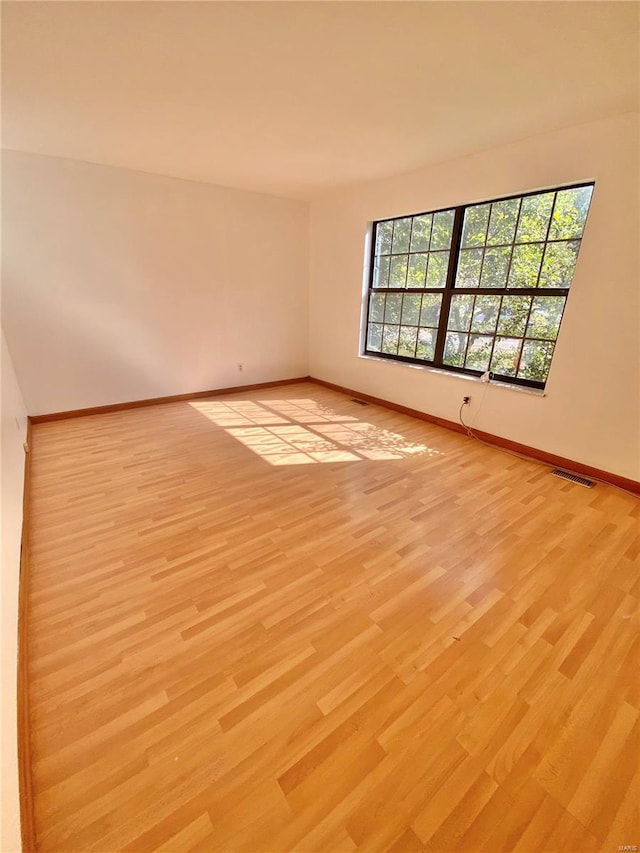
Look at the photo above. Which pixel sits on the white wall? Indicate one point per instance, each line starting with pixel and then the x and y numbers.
pixel 119 285
pixel 591 410
pixel 14 429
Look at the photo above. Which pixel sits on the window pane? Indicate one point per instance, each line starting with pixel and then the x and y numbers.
pixel 506 352
pixel 374 338
pixel 398 271
pixel 570 213
pixel 479 352
pixel 534 217
pixel 393 305
pixel 485 313
pixel 430 311
pixel 401 232
pixel 502 224
pixel 411 309
pixel 426 344
pixel 460 313
pixel 558 264
pixel 421 233
pixel 437 269
pixel 494 269
pixel 417 270
pixel 515 259
pixel 546 314
pixel 407 345
pixel 383 238
pixel 513 315
pixel 390 339
pixel 455 348
pixel 536 359
pixel 469 264
pixel 381 272
pixel 376 307
pixel 442 230
pixel 525 266
pixel 474 229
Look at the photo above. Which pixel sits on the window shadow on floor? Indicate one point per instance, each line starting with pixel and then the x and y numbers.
pixel 302 431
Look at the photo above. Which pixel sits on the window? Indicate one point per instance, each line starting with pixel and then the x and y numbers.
pixel 477 288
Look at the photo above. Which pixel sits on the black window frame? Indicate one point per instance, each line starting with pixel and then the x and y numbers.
pixel 450 289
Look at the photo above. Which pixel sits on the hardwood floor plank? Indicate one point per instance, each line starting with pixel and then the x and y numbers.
pixel 278 620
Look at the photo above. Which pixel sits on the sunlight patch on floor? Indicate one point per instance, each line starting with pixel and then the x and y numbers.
pixel 291 445
pixel 302 432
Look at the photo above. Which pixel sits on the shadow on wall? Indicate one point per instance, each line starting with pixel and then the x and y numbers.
pixel 301 432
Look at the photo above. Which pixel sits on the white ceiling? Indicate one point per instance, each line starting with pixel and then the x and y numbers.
pixel 294 97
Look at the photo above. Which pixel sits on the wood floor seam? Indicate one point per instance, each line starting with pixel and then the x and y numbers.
pixel 276 620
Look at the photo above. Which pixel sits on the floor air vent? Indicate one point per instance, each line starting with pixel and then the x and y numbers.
pixel 581 481
pixel 359 402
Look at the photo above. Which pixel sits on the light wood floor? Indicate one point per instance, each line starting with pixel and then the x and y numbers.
pixel 284 621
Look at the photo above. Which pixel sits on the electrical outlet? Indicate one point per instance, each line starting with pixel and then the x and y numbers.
pixel 240 367
pixel 466 401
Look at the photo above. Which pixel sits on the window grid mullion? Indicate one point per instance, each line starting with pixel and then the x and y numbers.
pixel 472 312
pixel 495 333
pixel 456 236
pixel 510 291
pixel 491 246
pixel 524 337
pixel 484 246
pixel 546 239
pixel 479 291
pixel 513 246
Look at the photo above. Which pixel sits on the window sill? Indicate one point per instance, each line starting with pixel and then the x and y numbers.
pixel 494 383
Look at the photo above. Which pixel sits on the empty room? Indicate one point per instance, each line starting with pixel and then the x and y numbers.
pixel 320 426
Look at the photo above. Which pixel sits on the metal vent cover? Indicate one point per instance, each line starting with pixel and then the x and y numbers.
pixel 359 402
pixel 581 481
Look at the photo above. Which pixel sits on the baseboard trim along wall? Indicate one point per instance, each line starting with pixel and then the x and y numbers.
pixel 25 777
pixel 498 441
pixel 157 401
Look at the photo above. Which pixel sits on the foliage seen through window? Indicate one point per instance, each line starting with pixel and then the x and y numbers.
pixel 480 287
